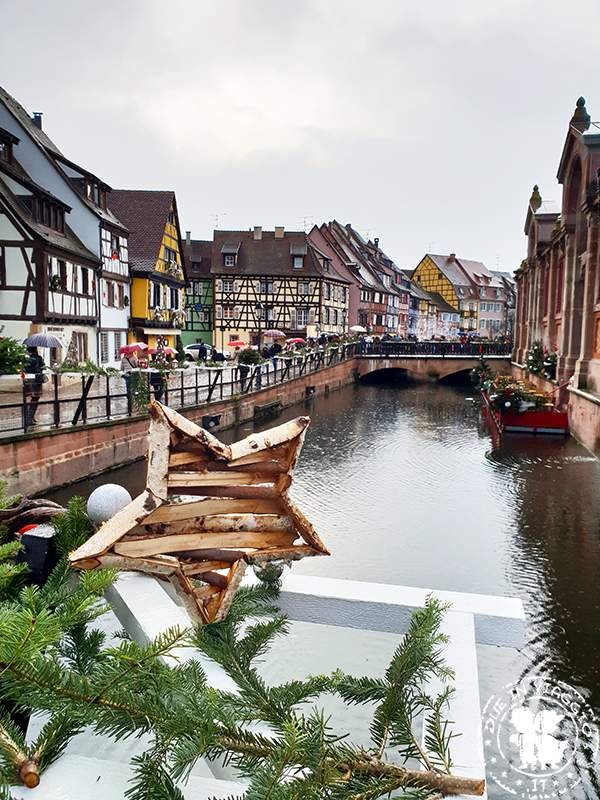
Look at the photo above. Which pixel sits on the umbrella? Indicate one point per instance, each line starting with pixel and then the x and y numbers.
pixel 237 343
pixel 127 349
pixel 297 340
pixel 275 334
pixel 358 329
pixel 42 340
pixel 168 351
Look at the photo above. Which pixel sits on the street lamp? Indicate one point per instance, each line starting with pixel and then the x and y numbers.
pixel 258 308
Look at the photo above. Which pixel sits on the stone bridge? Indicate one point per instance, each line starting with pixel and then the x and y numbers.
pixel 431 359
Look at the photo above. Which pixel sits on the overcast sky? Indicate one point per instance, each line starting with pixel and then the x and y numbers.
pixel 423 123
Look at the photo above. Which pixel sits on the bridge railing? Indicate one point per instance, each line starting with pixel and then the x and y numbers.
pixel 434 349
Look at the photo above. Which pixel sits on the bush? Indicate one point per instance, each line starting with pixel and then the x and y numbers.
pixel 249 356
pixel 13 356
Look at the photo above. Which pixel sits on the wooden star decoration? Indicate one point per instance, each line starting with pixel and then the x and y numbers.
pixel 208 510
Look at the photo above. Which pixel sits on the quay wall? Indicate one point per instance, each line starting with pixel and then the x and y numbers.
pixel 582 407
pixel 43 460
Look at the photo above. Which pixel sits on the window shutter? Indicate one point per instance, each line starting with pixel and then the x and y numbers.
pixel 293 318
pixel 219 285
pixel 236 286
pixel 311 316
pixel 104 292
pixel 219 312
pixel 237 311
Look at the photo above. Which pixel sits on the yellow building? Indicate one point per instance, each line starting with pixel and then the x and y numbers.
pixel 156 262
pixel 445 276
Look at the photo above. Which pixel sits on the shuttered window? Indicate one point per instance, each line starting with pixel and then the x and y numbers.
pixel 104 346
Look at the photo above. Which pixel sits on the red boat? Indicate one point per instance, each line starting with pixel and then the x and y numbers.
pixel 533 421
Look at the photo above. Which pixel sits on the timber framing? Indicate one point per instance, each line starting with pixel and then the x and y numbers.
pixel 208 510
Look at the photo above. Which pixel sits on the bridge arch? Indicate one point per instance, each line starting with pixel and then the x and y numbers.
pixel 426 367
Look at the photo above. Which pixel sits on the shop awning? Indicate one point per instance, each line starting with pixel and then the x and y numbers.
pixel 163 331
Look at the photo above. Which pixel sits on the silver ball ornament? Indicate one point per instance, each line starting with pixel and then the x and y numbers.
pixel 105 501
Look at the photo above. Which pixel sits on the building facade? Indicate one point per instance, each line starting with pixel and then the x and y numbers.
pixel 274 280
pixel 156 262
pixel 89 220
pixel 199 292
pixel 558 284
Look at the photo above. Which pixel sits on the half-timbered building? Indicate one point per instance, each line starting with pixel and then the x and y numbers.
pixel 89 220
pixel 198 292
pixel 274 280
pixel 47 276
pixel 156 263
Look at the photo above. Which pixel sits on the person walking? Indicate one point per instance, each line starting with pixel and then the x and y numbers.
pixel 129 362
pixel 32 386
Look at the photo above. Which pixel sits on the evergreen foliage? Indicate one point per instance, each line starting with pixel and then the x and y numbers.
pixel 274 736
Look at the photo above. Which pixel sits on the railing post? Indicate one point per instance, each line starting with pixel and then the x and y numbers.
pixel 196 383
pixel 55 401
pixel 24 409
pixel 182 390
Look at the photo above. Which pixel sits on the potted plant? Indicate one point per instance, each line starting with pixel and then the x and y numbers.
pixel 247 358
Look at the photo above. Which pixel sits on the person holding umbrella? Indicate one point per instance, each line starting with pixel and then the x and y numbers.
pixel 32 386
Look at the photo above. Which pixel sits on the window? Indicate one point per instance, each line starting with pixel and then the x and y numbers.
pixel 228 285
pixel 303 288
pixel 121 295
pixel 228 312
pixel 297 262
pixel 104 345
pixel 326 291
pixel 156 295
pixel 62 274
pixel 334 316
pixel 170 256
pixel 326 316
pixel 174 299
pixel 171 217
pixel 81 349
pixel 115 248
pixel 85 281
pixel 229 260
pixel 302 317
pixel 233 337
pixel 266 287
pixel 117 346
pixel 482 323
pixel 5 151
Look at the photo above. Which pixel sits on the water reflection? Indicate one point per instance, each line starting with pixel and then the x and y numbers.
pixel 405 487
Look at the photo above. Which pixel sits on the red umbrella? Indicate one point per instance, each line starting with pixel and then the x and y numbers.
pixel 237 343
pixel 168 351
pixel 135 347
pixel 297 340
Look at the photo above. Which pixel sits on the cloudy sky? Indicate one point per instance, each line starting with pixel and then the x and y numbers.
pixel 425 124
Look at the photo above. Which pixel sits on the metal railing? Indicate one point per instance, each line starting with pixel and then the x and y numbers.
pixel 73 399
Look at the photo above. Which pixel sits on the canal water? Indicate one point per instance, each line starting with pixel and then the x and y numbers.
pixel 405 487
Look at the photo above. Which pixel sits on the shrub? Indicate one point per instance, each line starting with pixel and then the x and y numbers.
pixel 249 356
pixel 13 356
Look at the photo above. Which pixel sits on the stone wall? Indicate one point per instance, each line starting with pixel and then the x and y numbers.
pixel 584 419
pixel 36 462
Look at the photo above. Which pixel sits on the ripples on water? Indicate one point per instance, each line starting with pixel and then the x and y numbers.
pixel 405 487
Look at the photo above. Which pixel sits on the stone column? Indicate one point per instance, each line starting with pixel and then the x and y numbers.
pixel 589 266
pixel 552 267
pixel 571 311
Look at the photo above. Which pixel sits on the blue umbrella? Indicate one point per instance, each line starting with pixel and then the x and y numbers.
pixel 42 340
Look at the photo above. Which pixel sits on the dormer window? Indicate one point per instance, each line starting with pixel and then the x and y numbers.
pixel 47 213
pixel 229 260
pixel 229 251
pixel 298 262
pixel 7 140
pixel 298 251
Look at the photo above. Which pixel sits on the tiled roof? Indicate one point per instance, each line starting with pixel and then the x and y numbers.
pixel 198 255
pixel 451 269
pixel 442 304
pixel 145 213
pixel 26 122
pixel 269 255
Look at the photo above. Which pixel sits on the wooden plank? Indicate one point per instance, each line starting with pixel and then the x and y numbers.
pixel 195 432
pixel 181 459
pixel 197 568
pixel 195 541
pixel 159 436
pixel 170 512
pixel 269 438
pixel 283 553
pixel 217 479
pixel 235 578
pixel 234 492
pixel 159 565
pixel 304 527
pixel 219 522
pixel 278 454
pixel 122 522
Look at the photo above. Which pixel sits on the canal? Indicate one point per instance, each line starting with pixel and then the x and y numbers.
pixel 405 487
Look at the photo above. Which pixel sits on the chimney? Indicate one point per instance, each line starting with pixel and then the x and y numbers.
pixel 188 238
pixel 37 119
pixel 279 231
pixel 452 257
pixel 376 242
pixel 257 233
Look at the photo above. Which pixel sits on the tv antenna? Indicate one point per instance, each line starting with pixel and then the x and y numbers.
pixel 218 217
pixel 305 220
